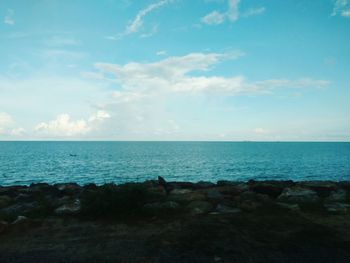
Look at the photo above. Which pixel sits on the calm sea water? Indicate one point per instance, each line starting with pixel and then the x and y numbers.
pixel 101 162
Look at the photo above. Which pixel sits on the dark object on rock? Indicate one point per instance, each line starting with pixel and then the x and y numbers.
pixel 163 183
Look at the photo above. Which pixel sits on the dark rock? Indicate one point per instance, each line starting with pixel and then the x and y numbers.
pixel 203 185
pixel 323 188
pixel 69 188
pixel 337 208
pixel 90 187
pixel 214 194
pixel 20 220
pixel 3 226
pixel 224 209
pixel 5 201
pixel 24 198
pixel 337 195
pixel 291 207
pixel 161 206
pixel 11 191
pixel 69 209
pixel 19 209
pixel 199 207
pixel 272 190
pixel 185 196
pixel 248 205
pixel 298 195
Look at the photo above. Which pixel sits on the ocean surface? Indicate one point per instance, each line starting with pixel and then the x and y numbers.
pixel 104 162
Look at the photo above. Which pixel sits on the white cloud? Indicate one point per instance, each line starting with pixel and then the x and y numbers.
pixel 341 7
pixel 161 53
pixel 254 11
pixel 260 131
pixel 232 13
pixel 137 23
pixel 8 126
pixel 173 74
pixel 8 19
pixel 5 119
pixel 152 32
pixel 213 18
pixel 345 13
pixel 63 126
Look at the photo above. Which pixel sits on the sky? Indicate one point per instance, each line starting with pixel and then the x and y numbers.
pixel 222 70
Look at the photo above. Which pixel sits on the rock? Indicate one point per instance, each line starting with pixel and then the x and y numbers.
pixel 322 188
pixel 5 201
pixel 273 190
pixel 11 191
pixel 69 188
pixel 24 198
pixel 336 196
pixel 3 226
pixel 185 197
pixel 199 207
pixel 203 185
pixel 69 209
pixel 181 185
pixel 224 209
pixel 181 191
pixel 19 209
pixel 291 207
pixel 298 195
pixel 214 194
pixel 20 220
pixel 337 208
pixel 249 205
pixel 161 206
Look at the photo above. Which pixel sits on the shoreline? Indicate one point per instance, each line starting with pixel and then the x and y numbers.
pixel 163 221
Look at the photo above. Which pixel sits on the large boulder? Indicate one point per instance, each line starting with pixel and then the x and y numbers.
pixel 5 201
pixel 272 189
pixel 185 196
pixel 337 195
pixel 298 195
pixel 19 209
pixel 322 188
pixel 69 209
pixel 337 208
pixel 199 207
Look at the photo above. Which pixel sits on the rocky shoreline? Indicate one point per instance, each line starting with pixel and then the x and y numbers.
pixel 255 221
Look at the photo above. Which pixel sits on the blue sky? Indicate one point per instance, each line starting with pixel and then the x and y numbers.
pixel 175 70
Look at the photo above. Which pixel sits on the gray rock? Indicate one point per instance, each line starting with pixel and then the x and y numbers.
pixel 159 206
pixel 224 209
pixel 69 209
pixel 181 191
pixel 199 207
pixel 249 205
pixel 19 209
pixel 338 195
pixel 291 207
pixel 185 197
pixel 337 208
pixel 20 220
pixel 214 194
pixel 298 195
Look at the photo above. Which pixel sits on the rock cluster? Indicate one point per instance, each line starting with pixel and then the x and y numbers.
pixel 161 198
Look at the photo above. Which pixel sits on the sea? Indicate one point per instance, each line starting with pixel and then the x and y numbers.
pixel 23 163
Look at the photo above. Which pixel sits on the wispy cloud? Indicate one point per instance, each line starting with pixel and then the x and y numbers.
pixel 254 11
pixel 231 14
pixel 136 24
pixel 8 19
pixel 341 7
pixel 61 41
